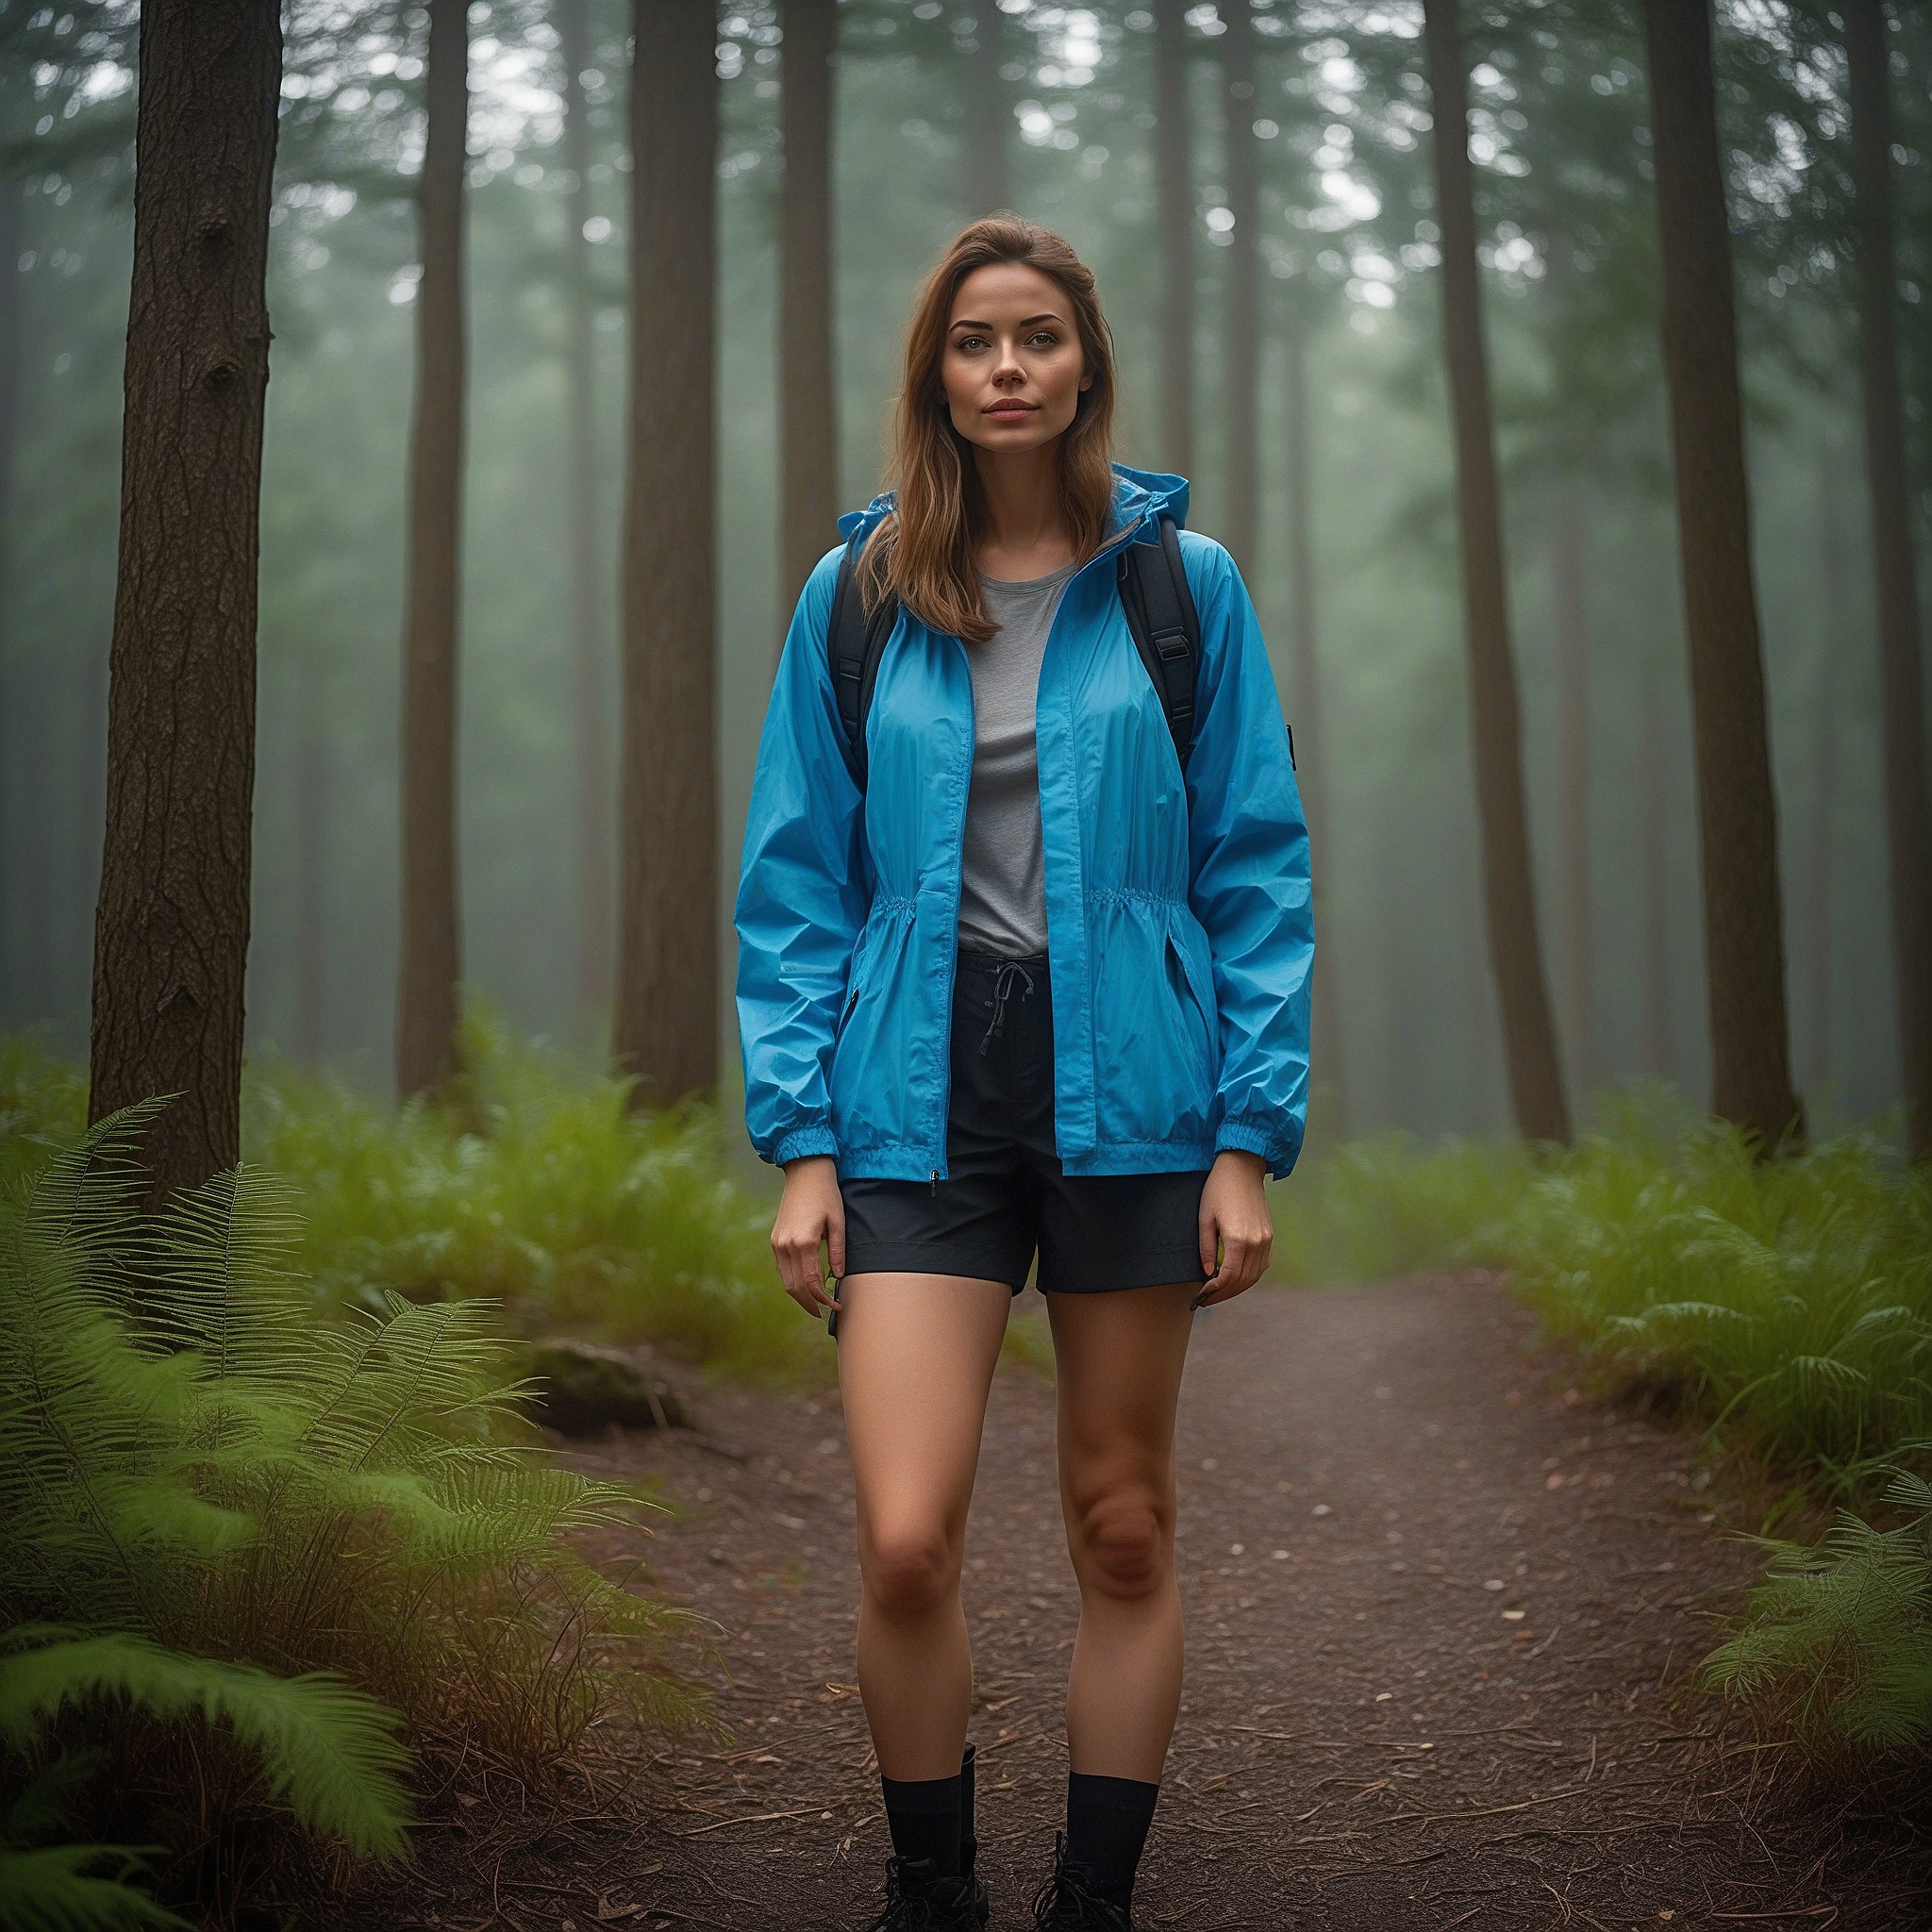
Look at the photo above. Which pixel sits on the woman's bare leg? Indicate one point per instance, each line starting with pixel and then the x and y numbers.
pixel 916 1357
pixel 1120 1356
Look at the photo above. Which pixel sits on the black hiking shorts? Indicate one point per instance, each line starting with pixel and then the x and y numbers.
pixel 1004 1196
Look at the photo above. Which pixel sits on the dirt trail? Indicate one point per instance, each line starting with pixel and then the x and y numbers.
pixel 1440 1613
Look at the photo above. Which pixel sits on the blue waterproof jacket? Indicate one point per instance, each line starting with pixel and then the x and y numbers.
pixel 1180 924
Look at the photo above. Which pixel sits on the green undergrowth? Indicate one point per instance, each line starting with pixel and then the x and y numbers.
pixel 1835 1646
pixel 1392 1204
pixel 1783 1307
pixel 545 1193
pixel 43 1104
pixel 265 1575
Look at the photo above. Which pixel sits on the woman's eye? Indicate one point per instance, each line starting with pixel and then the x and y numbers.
pixel 1045 338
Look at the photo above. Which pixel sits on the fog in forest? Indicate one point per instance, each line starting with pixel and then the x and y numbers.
pixel 1047 109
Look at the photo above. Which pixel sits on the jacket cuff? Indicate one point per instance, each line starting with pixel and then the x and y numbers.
pixel 803 1141
pixel 1250 1137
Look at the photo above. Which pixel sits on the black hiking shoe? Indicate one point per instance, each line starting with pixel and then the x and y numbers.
pixel 919 1900
pixel 1068 1903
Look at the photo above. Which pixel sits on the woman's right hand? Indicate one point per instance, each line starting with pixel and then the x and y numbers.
pixel 811 1216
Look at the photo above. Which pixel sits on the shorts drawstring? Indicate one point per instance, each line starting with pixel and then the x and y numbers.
pixel 1002 990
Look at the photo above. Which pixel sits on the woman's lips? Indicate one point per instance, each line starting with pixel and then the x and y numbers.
pixel 1012 410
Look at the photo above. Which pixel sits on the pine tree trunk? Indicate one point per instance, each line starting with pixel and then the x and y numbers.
pixel 1174 200
pixel 1536 1080
pixel 667 994
pixel 311 877
pixel 11 194
pixel 1327 1065
pixel 1654 884
pixel 13 799
pixel 1242 327
pixel 988 116
pixel 1737 810
pixel 432 929
pixel 171 931
pixel 1823 800
pixel 590 679
pixel 1908 828
pixel 807 382
pixel 1569 543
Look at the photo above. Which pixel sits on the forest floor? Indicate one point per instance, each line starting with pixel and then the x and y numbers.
pixel 1443 1617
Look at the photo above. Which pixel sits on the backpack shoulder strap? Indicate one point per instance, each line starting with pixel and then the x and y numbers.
pixel 1167 628
pixel 855 646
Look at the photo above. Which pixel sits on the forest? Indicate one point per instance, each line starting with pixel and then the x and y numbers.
pixel 417 420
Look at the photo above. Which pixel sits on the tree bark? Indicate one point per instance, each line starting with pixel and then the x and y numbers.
pixel 808 384
pixel 432 929
pixel 1736 809
pixel 1653 884
pixel 311 877
pixel 1327 1056
pixel 667 995
pixel 590 679
pixel 1823 800
pixel 1908 827
pixel 1536 1080
pixel 12 798
pixel 1174 193
pixel 988 116
pixel 171 929
pixel 1242 328
pixel 1569 596
pixel 12 194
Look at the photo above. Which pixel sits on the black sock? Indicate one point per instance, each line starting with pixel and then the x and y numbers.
pixel 924 1817
pixel 969 1843
pixel 1107 1826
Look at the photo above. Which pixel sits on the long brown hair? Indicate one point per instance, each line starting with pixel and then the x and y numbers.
pixel 924 551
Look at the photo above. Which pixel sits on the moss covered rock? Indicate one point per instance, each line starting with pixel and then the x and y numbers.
pixel 581 1388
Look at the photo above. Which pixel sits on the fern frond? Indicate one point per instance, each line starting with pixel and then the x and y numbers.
pixel 435 1368
pixel 63 1888
pixel 326 1750
pixel 224 1285
pixel 83 1202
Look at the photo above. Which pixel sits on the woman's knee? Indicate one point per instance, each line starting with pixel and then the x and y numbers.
pixel 909 1571
pixel 1123 1539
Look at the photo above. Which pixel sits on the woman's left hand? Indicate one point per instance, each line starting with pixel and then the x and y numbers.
pixel 1236 1231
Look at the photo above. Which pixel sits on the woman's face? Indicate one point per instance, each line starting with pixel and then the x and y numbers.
pixel 1013 369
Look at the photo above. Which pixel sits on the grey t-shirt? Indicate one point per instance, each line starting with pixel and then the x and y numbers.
pixel 1003 885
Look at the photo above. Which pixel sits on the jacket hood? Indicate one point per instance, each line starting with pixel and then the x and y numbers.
pixel 1139 496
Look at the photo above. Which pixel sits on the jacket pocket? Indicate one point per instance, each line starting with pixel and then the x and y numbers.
pixel 855 979
pixel 1182 986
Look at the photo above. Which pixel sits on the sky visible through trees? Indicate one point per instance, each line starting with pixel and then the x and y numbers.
pixel 934 105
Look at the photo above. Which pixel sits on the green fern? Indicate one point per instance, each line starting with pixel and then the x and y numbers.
pixel 327 1750
pixel 1837 1641
pixel 66 1888
pixel 546 1192
pixel 56 1886
pixel 326 1545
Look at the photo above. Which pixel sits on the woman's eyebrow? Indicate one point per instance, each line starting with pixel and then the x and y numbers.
pixel 1027 323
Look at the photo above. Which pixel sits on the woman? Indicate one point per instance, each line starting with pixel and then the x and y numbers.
pixel 1014 981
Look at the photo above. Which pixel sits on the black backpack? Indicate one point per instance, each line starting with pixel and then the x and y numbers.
pixel 1154 594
